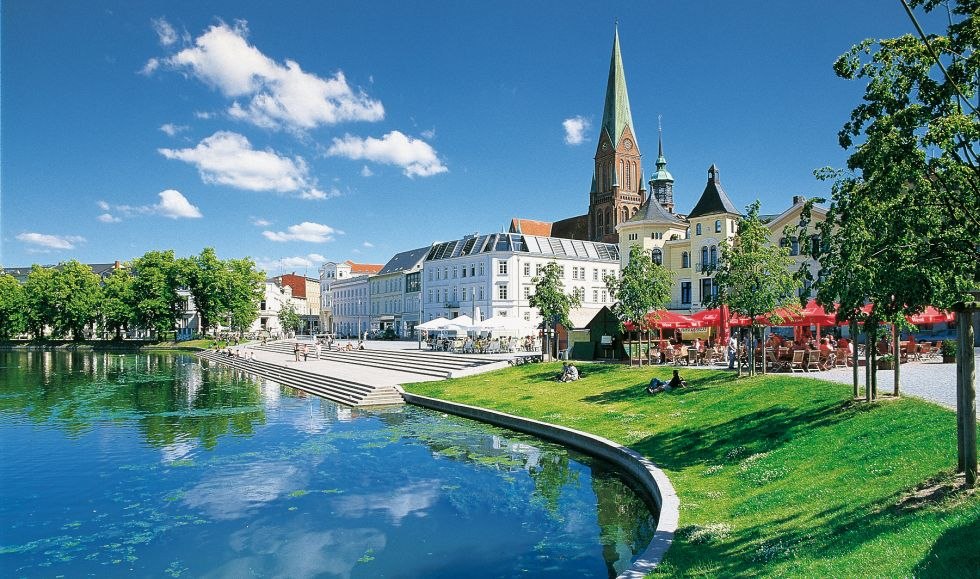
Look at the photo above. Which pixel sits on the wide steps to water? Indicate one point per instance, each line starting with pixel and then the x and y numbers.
pixel 336 389
pixel 423 363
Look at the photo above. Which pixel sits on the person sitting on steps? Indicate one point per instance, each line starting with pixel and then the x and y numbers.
pixel 657 385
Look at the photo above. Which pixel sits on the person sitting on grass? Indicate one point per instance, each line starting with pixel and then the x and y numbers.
pixel 657 385
pixel 569 373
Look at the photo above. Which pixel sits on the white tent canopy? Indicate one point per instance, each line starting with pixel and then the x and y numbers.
pixel 465 322
pixel 503 323
pixel 436 324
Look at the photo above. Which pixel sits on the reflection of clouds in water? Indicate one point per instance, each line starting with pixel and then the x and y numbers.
pixel 178 450
pixel 192 377
pixel 344 413
pixel 311 420
pixel 408 500
pixel 270 394
pixel 279 551
pixel 232 495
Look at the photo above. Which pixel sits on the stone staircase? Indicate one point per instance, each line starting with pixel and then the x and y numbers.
pixel 434 364
pixel 335 389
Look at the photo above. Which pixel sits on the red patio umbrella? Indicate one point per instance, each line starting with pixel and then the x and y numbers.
pixel 930 316
pixel 668 320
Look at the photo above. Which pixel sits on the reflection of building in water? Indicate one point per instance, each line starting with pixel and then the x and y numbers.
pixel 626 524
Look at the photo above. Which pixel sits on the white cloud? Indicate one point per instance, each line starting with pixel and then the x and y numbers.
pixel 320 195
pixel 367 244
pixel 172 204
pixel 165 32
pixel 175 206
pixel 259 222
pixel 150 67
pixel 429 134
pixel 228 158
pixel 366 171
pixel 308 261
pixel 171 129
pixel 575 129
pixel 51 241
pixel 203 115
pixel 277 95
pixel 306 231
pixel 414 156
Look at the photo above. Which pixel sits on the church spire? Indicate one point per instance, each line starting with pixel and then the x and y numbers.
pixel 616 113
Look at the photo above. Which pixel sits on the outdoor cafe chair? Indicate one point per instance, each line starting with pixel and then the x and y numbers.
pixel 692 357
pixel 812 361
pixel 796 364
pixel 842 359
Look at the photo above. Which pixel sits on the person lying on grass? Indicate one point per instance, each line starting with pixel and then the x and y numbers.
pixel 657 385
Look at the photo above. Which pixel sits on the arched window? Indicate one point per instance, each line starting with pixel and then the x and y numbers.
pixel 714 255
pixel 685 259
pixel 635 210
pixel 704 256
pixel 629 175
pixel 626 214
pixel 717 225
pixel 609 219
pixel 658 257
pixel 697 229
pixel 794 248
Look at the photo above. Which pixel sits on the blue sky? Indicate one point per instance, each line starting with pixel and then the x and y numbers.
pixel 294 132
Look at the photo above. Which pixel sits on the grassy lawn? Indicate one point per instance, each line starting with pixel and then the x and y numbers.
pixel 777 475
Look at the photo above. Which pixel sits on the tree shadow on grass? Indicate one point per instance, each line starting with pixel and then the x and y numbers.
pixel 832 533
pixel 638 391
pixel 954 554
pixel 758 431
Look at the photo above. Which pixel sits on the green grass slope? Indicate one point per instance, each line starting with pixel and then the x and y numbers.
pixel 777 475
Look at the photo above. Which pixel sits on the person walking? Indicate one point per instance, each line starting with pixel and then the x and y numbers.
pixel 316 349
pixel 732 351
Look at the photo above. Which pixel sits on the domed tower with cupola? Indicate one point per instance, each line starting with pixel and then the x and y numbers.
pixel 662 182
pixel 618 188
pixel 713 221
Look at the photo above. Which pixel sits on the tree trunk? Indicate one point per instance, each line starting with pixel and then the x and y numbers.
pixel 897 348
pixel 854 360
pixel 874 360
pixel 966 398
pixel 867 365
pixel 763 351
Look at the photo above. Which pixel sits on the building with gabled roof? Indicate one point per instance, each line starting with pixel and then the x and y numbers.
pixel 396 293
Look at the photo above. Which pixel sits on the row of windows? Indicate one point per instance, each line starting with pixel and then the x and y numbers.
pixel 502 270
pixel 470 270
pixel 390 306
pixel 718 227
pixel 389 285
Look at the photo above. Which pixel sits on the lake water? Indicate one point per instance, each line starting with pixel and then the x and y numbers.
pixel 154 465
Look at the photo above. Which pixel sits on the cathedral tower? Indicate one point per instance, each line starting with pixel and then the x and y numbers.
pixel 617 190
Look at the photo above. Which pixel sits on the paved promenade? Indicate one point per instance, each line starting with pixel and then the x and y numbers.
pixel 930 379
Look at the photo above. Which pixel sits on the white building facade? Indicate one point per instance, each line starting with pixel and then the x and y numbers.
pixel 351 300
pixel 491 275
pixel 330 273
pixel 274 300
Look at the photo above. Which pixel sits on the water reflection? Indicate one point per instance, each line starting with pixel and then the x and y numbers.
pixel 239 476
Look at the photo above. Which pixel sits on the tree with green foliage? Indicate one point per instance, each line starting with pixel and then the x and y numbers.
pixel 642 288
pixel 754 277
pixel 40 301
pixel 913 183
pixel 552 301
pixel 77 294
pixel 206 277
pixel 156 278
pixel 289 319
pixel 117 302
pixel 244 292
pixel 12 307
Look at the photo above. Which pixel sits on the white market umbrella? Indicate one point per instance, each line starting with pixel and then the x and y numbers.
pixel 436 324
pixel 501 323
pixel 462 321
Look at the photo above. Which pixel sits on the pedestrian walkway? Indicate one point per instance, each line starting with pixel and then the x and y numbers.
pixel 929 379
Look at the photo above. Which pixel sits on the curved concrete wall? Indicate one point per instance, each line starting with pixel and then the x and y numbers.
pixel 640 469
